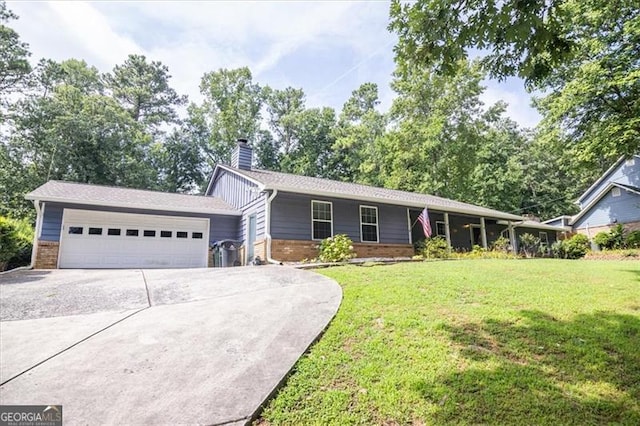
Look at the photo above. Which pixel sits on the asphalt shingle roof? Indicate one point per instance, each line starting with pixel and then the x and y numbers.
pixel 311 185
pixel 80 193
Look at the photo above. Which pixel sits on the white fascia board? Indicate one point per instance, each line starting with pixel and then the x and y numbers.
pixel 600 179
pixel 539 225
pixel 497 215
pixel 593 202
pixel 135 206
pixel 238 173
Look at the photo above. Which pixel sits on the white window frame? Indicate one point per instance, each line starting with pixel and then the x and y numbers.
pixel 321 220
pixel 377 224
pixel 544 243
pixel 615 192
pixel 444 228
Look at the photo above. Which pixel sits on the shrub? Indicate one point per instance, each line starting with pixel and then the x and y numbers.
pixel 617 237
pixel 338 248
pixel 501 244
pixel 573 248
pixel 603 240
pixel 633 239
pixel 16 239
pixel 529 244
pixel 435 248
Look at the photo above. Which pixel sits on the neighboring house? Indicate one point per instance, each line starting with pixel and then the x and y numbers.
pixel 613 199
pixel 276 216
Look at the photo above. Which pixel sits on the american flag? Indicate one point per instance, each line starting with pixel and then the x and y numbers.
pixel 426 224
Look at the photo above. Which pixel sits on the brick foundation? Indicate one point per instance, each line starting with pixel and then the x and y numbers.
pixel 593 230
pixel 260 249
pixel 47 255
pixel 296 250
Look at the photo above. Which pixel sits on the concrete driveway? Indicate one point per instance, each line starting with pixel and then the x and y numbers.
pixel 204 346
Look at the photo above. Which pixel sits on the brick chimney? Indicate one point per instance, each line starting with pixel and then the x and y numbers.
pixel 242 156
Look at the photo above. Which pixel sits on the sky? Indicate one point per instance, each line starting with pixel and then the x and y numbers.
pixel 327 48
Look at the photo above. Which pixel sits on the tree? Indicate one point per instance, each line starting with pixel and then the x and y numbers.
pixel 592 76
pixel 359 128
pixel 142 88
pixel 436 125
pixel 283 107
pixel 231 110
pixel 66 129
pixel 14 54
pixel 497 178
pixel 312 132
pixel 179 161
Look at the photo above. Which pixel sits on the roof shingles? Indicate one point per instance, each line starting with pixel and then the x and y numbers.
pixel 311 185
pixel 79 193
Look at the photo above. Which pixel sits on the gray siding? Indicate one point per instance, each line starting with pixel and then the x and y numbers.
pixel 51 222
pixel 624 174
pixel 623 209
pixel 291 219
pixel 234 189
pixel 220 227
pixel 256 207
pixel 242 156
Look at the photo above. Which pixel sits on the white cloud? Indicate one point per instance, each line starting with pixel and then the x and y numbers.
pixel 326 48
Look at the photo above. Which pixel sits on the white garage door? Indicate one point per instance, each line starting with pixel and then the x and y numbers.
pixel 91 239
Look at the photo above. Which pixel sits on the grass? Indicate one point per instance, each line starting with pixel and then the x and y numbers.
pixel 474 342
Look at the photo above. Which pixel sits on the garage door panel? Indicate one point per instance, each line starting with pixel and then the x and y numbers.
pixel 101 250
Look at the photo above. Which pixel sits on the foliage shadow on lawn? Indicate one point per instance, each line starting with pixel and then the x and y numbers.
pixel 582 371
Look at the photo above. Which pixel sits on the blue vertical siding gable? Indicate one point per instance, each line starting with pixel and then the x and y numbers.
pixel 609 209
pixel 625 173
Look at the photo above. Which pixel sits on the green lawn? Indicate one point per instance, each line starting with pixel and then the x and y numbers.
pixel 474 341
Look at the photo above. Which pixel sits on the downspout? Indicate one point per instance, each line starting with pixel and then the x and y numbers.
pixel 267 218
pixel 36 233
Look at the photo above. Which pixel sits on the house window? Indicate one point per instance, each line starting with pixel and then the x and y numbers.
pixel 181 234
pixel 165 234
pixel 113 231
pixel 75 230
pixel 615 192
pixel 95 231
pixel 441 229
pixel 368 224
pixel 149 233
pixel 132 232
pixel 544 240
pixel 196 235
pixel 321 220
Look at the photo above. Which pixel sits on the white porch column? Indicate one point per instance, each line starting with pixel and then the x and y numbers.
pixel 409 226
pixel 483 233
pixel 512 238
pixel 447 231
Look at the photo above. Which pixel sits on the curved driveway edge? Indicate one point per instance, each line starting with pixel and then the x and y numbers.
pixel 211 348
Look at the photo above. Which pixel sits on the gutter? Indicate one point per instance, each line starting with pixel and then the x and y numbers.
pixel 267 218
pixel 135 206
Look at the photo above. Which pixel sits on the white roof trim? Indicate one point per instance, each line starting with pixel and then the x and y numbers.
pixel 235 172
pixel 564 216
pixel 601 178
pixel 597 199
pixel 538 225
pixel 134 206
